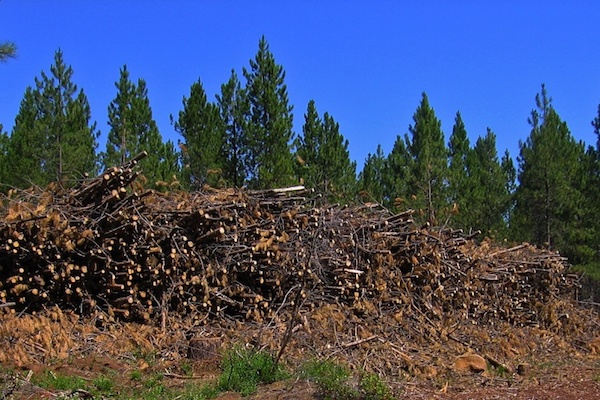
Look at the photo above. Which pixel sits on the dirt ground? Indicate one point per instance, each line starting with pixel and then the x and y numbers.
pixel 536 363
pixel 571 382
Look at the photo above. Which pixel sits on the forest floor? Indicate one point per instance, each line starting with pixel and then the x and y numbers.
pixel 64 356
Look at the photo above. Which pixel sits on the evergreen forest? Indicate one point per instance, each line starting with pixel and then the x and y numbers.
pixel 244 137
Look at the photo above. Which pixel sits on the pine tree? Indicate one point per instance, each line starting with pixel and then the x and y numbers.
pixel 429 162
pixel 235 110
pixel 133 130
pixel 4 141
pixel 307 146
pixel 588 242
pixel 488 197
pixel 548 207
pixel 396 175
pixel 53 131
pixel 459 184
pixel 24 150
pixel 510 172
pixel 203 133
pixel 7 50
pixel 270 131
pixel 324 159
pixel 370 179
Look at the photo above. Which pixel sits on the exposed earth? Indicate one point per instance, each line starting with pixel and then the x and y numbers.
pixel 534 363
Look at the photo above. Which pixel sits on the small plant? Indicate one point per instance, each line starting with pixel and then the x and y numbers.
pixel 148 356
pixel 154 381
pixel 103 384
pixel 374 388
pixel 244 369
pixel 332 379
pixel 187 368
pixel 50 380
pixel 499 371
pixel 135 375
pixel 193 392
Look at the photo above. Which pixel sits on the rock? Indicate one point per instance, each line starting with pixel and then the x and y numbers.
pixel 470 363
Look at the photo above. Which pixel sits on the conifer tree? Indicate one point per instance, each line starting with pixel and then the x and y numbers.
pixel 7 50
pixel 235 110
pixel 24 154
pixel 52 138
pixel 323 157
pixel 307 146
pixel 396 175
pixel 510 172
pixel 270 130
pixel 488 197
pixel 588 242
pixel 429 158
pixel 371 178
pixel 133 130
pixel 459 185
pixel 4 140
pixel 548 199
pixel 203 148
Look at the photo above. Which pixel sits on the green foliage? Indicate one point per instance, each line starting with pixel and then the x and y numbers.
pixel 201 127
pixel 428 167
pixel 52 139
pixel 370 180
pixel 459 184
pixel 270 129
pixel 373 388
pixel 104 384
pixel 135 375
pixel 331 378
pixel 133 130
pixel 7 50
pixel 235 113
pixel 244 369
pixel 323 157
pixel 549 200
pixel 396 175
pixel 51 380
pixel 488 196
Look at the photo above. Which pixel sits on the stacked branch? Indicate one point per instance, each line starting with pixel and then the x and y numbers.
pixel 110 245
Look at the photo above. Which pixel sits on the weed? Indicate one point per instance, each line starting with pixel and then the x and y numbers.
pixel 187 368
pixel 103 384
pixel 244 369
pixel 148 356
pixel 332 379
pixel 154 381
pixel 50 380
pixel 499 371
pixel 374 388
pixel 135 375
pixel 193 392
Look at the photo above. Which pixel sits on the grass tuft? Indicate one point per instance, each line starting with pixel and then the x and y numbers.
pixel 244 370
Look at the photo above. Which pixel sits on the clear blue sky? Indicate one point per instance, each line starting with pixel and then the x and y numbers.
pixel 366 63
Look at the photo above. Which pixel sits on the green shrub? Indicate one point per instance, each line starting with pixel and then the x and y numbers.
pixel 244 369
pixel 374 388
pixel 332 379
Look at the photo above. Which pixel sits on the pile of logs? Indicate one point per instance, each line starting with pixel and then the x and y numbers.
pixel 134 254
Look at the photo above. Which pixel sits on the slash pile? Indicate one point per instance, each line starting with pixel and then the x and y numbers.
pixel 109 245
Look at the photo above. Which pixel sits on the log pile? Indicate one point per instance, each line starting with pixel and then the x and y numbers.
pixel 109 245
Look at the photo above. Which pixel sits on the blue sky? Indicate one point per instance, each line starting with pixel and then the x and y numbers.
pixel 366 63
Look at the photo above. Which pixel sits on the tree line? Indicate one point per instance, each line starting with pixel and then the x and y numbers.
pixel 245 138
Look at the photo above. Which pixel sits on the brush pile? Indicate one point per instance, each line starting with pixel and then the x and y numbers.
pixel 110 246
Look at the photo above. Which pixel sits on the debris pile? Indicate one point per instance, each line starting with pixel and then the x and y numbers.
pixel 110 246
